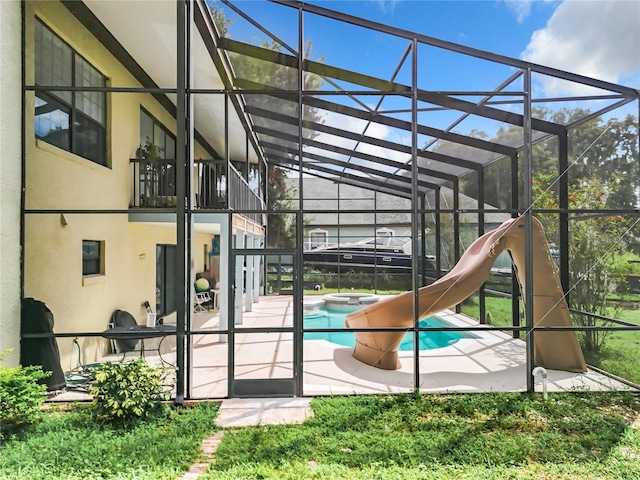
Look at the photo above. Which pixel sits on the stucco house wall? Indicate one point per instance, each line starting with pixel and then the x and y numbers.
pixel 59 180
pixel 10 176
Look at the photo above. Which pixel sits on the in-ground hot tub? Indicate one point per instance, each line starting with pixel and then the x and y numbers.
pixel 312 304
pixel 336 301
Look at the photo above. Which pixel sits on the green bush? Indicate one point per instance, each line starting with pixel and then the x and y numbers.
pixel 20 395
pixel 124 391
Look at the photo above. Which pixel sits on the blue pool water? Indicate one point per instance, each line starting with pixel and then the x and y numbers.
pixel 324 318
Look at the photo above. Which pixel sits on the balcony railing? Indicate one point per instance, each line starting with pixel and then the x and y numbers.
pixel 242 198
pixel 154 186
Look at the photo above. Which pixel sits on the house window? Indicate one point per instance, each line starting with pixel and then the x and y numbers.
pixel 92 257
pixel 152 132
pixel 74 121
pixel 158 147
pixel 318 238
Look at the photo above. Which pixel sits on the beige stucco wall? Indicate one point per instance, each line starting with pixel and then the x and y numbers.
pixel 51 170
pixel 56 179
pixel 10 176
pixel 53 266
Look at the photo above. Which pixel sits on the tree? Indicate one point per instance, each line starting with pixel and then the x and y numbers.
pixel 595 243
pixel 281 229
pixel 281 83
pixel 607 151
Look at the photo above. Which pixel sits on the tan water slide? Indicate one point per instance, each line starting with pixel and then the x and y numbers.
pixel 558 350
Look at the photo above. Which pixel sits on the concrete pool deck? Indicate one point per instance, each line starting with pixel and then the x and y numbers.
pixel 494 361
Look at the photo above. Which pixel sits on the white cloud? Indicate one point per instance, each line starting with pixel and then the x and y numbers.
pixel 387 6
pixel 520 8
pixel 599 39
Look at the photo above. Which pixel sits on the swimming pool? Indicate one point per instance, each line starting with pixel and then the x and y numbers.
pixel 327 318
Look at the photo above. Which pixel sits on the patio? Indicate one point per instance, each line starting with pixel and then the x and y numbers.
pixel 493 362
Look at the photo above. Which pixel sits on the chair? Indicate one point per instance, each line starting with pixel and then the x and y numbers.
pixel 202 301
pixel 120 318
pixel 215 293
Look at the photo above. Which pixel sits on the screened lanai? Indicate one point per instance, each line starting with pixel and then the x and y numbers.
pixel 388 131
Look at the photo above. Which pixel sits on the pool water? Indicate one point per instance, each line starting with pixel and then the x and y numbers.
pixel 323 318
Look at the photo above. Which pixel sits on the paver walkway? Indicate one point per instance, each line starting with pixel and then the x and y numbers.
pixel 245 412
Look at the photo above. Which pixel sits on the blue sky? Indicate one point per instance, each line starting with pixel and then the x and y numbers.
pixel 597 38
pixel 481 24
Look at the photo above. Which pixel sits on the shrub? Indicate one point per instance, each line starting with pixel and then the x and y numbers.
pixel 20 395
pixel 124 391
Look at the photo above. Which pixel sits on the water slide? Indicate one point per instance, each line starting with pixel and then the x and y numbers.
pixel 557 350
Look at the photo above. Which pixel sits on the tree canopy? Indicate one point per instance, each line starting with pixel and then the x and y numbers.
pixel 598 149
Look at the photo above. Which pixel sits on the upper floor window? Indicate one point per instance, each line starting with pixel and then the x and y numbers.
pixel 72 120
pixel 152 132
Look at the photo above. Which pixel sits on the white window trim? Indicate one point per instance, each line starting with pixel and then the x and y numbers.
pixel 317 231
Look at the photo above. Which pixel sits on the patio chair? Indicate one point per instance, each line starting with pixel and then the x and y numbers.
pixel 202 301
pixel 205 296
pixel 120 318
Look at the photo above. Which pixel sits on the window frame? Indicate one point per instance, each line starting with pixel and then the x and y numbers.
pixel 79 121
pixel 99 258
pixel 314 243
pixel 157 125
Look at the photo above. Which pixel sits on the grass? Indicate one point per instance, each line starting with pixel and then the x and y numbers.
pixel 70 445
pixel 476 436
pixel 481 436
pixel 620 355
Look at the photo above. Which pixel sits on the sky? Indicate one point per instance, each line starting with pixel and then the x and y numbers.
pixel 596 38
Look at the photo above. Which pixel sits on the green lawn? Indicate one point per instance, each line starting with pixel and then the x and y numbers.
pixel 477 436
pixel 481 436
pixel 70 445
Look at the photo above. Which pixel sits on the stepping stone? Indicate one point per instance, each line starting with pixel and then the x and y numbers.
pixel 243 412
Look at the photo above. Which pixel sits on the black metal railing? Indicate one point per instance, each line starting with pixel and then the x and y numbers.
pixel 244 199
pixel 212 184
pixel 154 183
pixel 219 187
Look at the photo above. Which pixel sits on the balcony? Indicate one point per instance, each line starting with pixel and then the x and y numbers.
pixel 217 186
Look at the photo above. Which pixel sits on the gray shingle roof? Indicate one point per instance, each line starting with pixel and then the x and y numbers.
pixel 329 197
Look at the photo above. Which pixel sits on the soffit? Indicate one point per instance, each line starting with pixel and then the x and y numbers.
pixel 147 31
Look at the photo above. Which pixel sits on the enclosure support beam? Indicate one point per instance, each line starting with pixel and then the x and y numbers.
pixel 515 303
pixel 414 210
pixel 438 233
pixel 528 201
pixel 563 203
pixel 456 225
pixel 184 160
pixel 481 293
